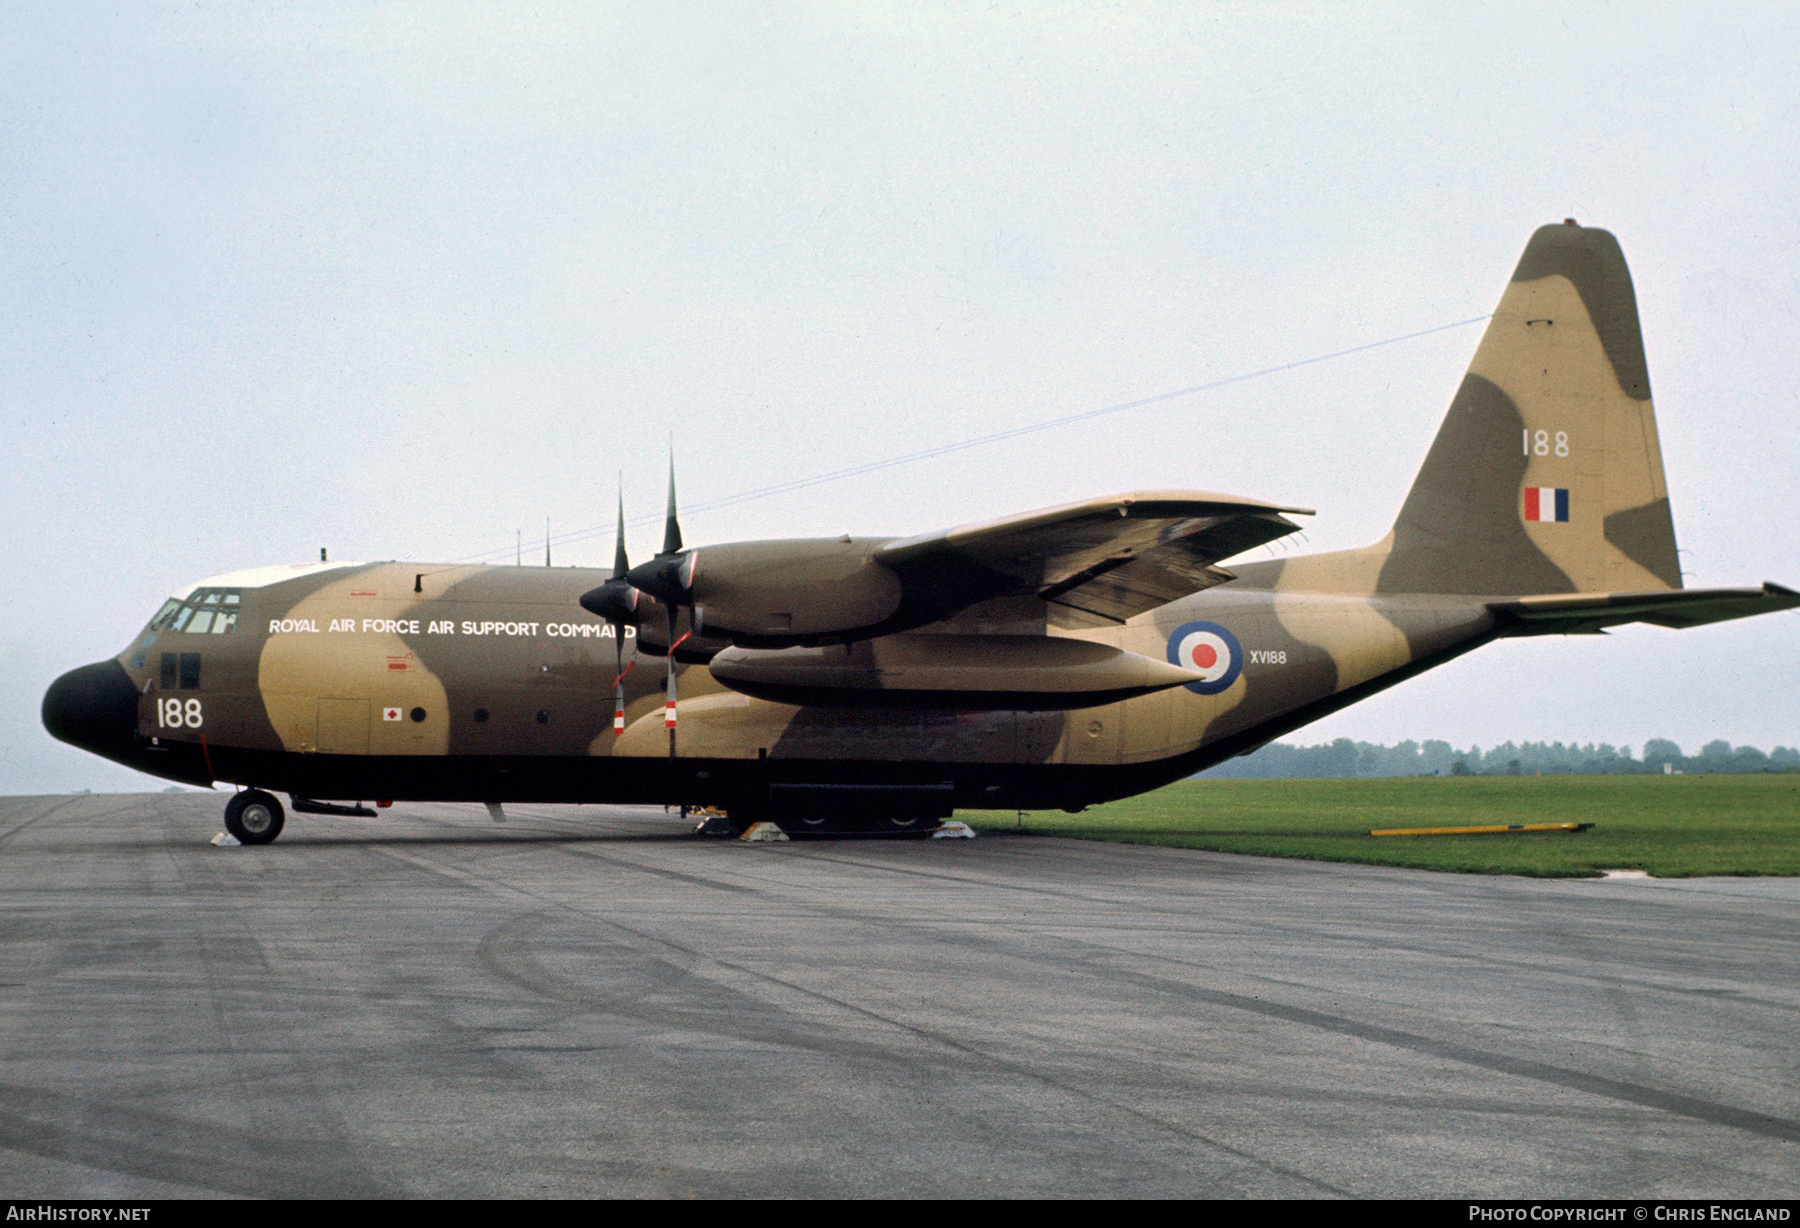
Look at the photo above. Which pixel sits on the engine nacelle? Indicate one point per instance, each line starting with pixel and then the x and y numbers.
pixel 774 594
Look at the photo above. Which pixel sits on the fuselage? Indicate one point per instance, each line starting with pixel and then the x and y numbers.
pixel 413 681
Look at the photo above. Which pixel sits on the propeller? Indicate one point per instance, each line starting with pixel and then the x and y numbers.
pixel 669 578
pixel 617 602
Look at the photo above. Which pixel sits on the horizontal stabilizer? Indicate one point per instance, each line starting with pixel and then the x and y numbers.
pixel 1584 613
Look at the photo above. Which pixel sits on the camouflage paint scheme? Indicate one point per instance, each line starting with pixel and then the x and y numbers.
pixel 1054 659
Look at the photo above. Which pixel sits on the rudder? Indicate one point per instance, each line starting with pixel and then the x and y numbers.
pixel 1546 475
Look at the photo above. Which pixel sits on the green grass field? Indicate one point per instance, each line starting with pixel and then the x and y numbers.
pixel 1670 826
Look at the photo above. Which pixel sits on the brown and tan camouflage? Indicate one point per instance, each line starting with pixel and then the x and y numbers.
pixel 1052 659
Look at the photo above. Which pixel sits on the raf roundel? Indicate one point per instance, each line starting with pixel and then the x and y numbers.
pixel 1210 651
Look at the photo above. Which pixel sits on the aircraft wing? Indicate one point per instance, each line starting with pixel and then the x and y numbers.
pixel 1590 613
pixel 1103 560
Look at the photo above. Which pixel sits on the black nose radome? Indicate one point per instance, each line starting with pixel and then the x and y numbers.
pixel 94 707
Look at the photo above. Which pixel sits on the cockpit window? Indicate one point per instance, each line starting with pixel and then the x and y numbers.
pixel 205 611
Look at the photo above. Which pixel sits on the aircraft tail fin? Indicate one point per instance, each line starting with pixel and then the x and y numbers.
pixel 1546 476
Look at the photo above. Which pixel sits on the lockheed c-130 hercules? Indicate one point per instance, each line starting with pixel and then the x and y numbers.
pixel 1047 660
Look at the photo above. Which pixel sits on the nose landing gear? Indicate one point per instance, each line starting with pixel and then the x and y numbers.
pixel 253 817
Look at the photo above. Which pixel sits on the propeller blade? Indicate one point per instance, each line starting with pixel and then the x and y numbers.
pixel 614 601
pixel 617 600
pixel 619 696
pixel 621 564
pixel 671 526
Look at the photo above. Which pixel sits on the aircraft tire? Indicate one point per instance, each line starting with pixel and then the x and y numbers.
pixel 827 826
pixel 253 817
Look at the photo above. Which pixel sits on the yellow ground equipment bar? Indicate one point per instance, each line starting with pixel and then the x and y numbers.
pixel 1479 831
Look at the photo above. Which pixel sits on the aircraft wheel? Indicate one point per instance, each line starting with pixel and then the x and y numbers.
pixel 253 817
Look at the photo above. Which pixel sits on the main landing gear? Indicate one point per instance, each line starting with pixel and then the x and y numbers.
pixel 892 825
pixel 253 817
pixel 819 826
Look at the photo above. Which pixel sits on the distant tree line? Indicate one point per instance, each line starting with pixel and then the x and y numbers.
pixel 1344 757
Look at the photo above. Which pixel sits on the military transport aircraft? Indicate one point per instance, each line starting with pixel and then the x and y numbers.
pixel 1052 659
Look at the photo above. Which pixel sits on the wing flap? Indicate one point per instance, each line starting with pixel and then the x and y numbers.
pixel 1107 558
pixel 1116 591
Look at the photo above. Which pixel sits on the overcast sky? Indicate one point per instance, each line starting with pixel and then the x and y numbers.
pixel 403 280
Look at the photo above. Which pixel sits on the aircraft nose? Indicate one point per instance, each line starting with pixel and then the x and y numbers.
pixel 95 708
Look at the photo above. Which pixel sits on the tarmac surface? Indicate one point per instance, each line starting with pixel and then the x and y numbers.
pixel 589 1002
